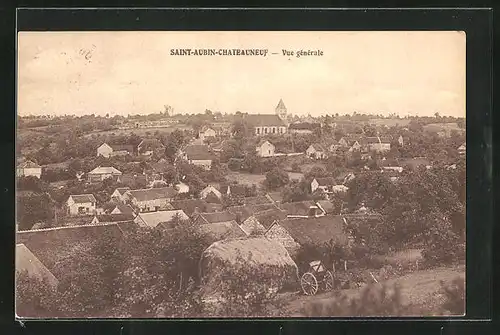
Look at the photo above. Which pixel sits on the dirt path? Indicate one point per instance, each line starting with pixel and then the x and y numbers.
pixel 417 288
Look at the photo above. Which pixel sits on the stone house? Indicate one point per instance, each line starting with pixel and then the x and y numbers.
pixel 29 168
pixel 316 151
pixel 265 149
pixel 103 172
pixel 151 199
pixel 81 204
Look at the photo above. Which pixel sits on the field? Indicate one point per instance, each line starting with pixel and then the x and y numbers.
pixel 138 131
pixel 390 122
pixel 418 288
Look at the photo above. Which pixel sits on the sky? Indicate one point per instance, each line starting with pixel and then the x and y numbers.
pixel 121 73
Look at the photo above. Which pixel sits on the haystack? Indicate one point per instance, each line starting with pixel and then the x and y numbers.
pixel 259 255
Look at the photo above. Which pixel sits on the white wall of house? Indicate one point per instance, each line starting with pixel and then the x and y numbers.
pixel 75 209
pixel 380 147
pixel 104 150
pixel 26 172
pixel 301 131
pixel 151 205
pixel 207 133
pixel 204 163
pixel 314 185
pixel 264 130
pixel 267 149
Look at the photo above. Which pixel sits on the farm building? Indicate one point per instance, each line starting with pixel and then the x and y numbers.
pixel 29 168
pixel 265 149
pixel 122 209
pixel 118 194
pixel 275 197
pixel 316 151
pixel 107 218
pixel 151 199
pixel 211 193
pixel 303 209
pixel 303 128
pixel 245 211
pixel 222 231
pixel 110 150
pixel 68 244
pixel 206 133
pixel 153 219
pixel 198 155
pixel 226 259
pixel 193 206
pixel 324 184
pixel 215 217
pixel 103 172
pixel 81 204
pixel 252 227
pixel 148 146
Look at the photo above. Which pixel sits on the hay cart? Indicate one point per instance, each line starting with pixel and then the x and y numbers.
pixel 317 277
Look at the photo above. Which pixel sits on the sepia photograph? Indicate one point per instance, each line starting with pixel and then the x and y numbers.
pixel 240 174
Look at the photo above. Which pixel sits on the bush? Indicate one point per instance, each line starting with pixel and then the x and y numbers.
pixel 454 293
pixel 373 301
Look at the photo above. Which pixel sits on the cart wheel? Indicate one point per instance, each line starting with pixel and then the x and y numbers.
pixel 309 284
pixel 329 281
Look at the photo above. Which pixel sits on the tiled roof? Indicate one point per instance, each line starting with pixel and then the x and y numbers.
pixel 327 206
pixel 83 198
pixel 315 231
pixel 105 170
pixel 153 193
pixel 298 208
pixel 198 152
pixel 189 206
pixel 257 200
pixel 268 217
pixel 27 261
pixel 153 219
pixel 115 217
pixel 244 212
pixel 28 165
pixel 259 120
pixel 125 209
pixel 222 230
pixel 328 181
pixel 59 248
pixel 123 147
pixel 122 190
pixel 216 217
pixel 318 147
pixel 304 126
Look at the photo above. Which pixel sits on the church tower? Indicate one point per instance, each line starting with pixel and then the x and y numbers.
pixel 281 110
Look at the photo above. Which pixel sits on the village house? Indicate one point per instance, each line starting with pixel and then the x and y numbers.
pixel 277 233
pixel 309 231
pixel 302 209
pixel 252 227
pixel 303 128
pixel 243 212
pixel 103 172
pixel 210 193
pixel 236 190
pixel 122 209
pixel 316 151
pixel 108 218
pixel 265 149
pixel 401 140
pixel 219 231
pixel 109 150
pixel 206 133
pixel 324 184
pixel 156 219
pixel 378 144
pixel 151 199
pixel 352 143
pixel 27 262
pixel 327 207
pixel 275 197
pixel 198 155
pixel 148 146
pixel 462 149
pixel 119 194
pixel 214 217
pixel 81 204
pixel 29 168
pixel 193 206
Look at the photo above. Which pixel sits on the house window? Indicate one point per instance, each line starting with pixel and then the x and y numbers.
pixel 265 130
pixel 274 130
pixel 258 131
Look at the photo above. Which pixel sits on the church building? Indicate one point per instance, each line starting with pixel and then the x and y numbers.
pixel 268 124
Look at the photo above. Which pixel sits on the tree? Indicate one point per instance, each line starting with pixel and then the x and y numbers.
pixel 33 208
pixel 276 178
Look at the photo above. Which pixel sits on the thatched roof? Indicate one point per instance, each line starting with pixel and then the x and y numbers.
pixel 27 261
pixel 256 253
